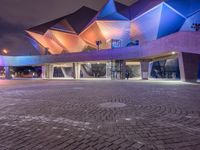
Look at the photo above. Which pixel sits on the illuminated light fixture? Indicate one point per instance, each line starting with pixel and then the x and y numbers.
pixel 173 53
pixel 88 63
pixel 98 63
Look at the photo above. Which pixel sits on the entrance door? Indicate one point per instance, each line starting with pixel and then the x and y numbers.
pixel 117 69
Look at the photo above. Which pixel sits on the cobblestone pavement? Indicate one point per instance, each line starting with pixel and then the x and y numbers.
pixel 99 115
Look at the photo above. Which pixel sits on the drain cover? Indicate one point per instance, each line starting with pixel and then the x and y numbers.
pixel 112 105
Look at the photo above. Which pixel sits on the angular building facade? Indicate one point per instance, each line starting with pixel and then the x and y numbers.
pixel 149 39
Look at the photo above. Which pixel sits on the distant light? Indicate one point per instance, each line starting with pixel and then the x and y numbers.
pixel 5 51
pixel 173 53
pixel 88 63
pixel 128 119
pixel 98 63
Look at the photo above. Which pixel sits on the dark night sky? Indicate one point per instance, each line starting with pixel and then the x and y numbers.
pixel 17 15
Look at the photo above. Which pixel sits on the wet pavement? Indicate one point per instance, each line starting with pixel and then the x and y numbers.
pixel 99 115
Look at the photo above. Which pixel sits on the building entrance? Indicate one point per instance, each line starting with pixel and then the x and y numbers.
pixel 117 69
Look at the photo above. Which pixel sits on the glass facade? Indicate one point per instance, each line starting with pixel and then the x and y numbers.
pixel 93 70
pixel 165 69
pixel 134 69
pixel 63 71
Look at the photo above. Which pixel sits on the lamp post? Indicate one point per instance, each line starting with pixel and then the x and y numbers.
pixel 6 68
pixel 98 43
pixel 46 51
pixel 196 26
pixel 4 52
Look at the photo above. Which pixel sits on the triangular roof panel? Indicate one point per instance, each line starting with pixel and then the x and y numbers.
pixel 120 6
pixel 145 28
pixel 63 25
pixel 185 7
pixel 107 10
pixel 42 28
pixel 142 6
pixel 168 15
pixel 77 20
pixel 112 11
pixel 123 9
pixel 81 18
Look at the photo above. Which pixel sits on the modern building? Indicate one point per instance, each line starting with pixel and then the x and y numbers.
pixel 148 39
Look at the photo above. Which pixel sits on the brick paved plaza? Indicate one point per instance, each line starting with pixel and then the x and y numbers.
pixel 99 115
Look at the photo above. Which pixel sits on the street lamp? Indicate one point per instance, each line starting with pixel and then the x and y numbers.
pixel 4 52
pixel 173 53
pixel 98 43
pixel 46 51
pixel 6 68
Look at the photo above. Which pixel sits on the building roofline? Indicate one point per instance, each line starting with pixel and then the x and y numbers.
pixel 51 23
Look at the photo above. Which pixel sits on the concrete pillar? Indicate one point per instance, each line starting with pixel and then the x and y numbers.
pixel 144 70
pixel 189 66
pixel 50 71
pixel 43 72
pixel 47 71
pixel 77 70
pixel 7 72
pixel 113 70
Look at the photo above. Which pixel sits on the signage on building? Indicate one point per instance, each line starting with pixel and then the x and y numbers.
pixel 115 43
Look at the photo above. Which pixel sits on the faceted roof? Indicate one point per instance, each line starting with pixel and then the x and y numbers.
pixel 144 20
pixel 84 14
pixel 42 28
pixel 72 21
pixel 112 10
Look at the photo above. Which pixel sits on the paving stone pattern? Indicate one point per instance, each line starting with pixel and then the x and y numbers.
pixel 99 115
